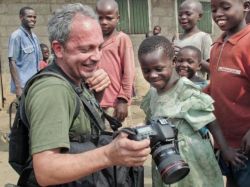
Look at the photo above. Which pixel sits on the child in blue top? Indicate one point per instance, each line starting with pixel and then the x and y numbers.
pixel 188 62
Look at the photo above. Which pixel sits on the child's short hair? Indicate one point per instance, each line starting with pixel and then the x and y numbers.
pixel 197 4
pixel 42 45
pixel 195 49
pixel 154 43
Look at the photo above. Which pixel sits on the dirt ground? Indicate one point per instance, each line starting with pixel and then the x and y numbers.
pixel 8 175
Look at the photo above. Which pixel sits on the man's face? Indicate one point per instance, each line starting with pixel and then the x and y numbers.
pixel 228 14
pixel 79 56
pixel 28 19
pixel 108 18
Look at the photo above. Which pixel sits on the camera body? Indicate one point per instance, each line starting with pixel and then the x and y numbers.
pixel 164 148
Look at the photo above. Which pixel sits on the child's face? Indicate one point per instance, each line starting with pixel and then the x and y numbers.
pixel 108 18
pixel 45 52
pixel 188 16
pixel 157 69
pixel 157 30
pixel 229 14
pixel 187 63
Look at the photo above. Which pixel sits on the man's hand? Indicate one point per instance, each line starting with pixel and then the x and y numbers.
pixel 19 92
pixel 121 110
pixel 245 143
pixel 98 81
pixel 126 152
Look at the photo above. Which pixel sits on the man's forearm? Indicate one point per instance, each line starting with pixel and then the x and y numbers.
pixel 15 74
pixel 52 167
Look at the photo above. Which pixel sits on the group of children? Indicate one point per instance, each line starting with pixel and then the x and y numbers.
pixel 171 70
pixel 175 93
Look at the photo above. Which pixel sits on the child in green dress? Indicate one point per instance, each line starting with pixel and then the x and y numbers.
pixel 187 108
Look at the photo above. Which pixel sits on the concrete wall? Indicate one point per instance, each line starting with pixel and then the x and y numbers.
pixel 161 12
pixel 9 21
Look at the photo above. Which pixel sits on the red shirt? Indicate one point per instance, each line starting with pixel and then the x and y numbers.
pixel 230 85
pixel 118 61
pixel 42 64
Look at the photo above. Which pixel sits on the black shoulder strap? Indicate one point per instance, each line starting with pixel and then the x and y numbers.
pixel 98 121
pixel 28 85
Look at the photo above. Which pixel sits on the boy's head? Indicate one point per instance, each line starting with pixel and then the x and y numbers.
pixel 156 30
pixel 156 55
pixel 108 13
pixel 188 61
pixel 45 51
pixel 189 13
pixel 230 15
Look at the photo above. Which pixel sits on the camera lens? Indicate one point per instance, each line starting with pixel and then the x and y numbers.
pixel 170 164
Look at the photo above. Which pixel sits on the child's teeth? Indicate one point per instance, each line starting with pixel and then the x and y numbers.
pixel 221 22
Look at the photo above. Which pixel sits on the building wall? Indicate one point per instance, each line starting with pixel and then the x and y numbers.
pixel 9 22
pixel 161 12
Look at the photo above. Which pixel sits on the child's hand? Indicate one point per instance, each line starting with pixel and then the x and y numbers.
pixel 245 143
pixel 176 49
pixel 121 110
pixel 236 158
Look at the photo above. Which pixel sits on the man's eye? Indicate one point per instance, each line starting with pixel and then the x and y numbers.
pixel 85 50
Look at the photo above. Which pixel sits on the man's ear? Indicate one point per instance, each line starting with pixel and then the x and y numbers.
pixel 21 17
pixel 57 48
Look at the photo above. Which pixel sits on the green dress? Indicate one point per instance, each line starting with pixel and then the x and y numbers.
pixel 190 110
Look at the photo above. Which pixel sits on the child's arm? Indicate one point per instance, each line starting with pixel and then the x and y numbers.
pixel 245 143
pixel 231 155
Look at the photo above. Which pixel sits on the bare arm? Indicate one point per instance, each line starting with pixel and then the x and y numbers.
pixel 229 154
pixel 51 167
pixel 205 66
pixel 15 76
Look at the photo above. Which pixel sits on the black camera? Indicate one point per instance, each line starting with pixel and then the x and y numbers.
pixel 164 148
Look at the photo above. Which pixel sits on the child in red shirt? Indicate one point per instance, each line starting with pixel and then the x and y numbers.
pixel 45 51
pixel 230 83
pixel 117 60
